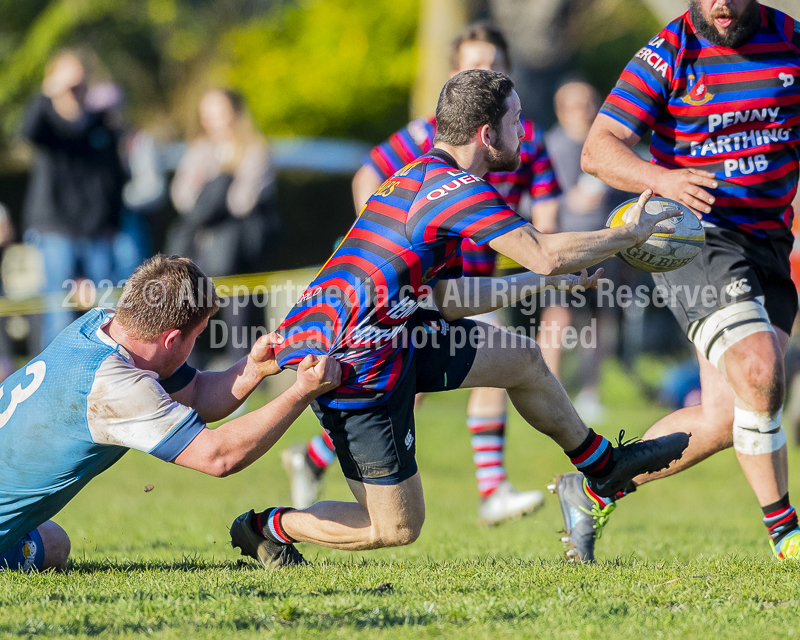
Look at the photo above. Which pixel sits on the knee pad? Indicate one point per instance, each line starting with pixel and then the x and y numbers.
pixel 756 432
pixel 725 327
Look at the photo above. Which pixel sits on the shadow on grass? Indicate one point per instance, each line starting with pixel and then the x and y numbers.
pixel 185 565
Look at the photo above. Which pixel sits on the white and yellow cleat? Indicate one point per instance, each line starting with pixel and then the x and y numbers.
pixel 506 503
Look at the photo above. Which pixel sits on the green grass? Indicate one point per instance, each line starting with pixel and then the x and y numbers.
pixel 683 557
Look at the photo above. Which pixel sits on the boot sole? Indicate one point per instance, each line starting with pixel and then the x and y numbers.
pixel 568 544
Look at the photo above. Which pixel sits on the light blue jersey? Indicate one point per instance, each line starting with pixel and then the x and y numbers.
pixel 71 413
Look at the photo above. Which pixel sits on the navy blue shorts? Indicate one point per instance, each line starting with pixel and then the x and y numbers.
pixel 377 445
pixel 737 267
pixel 26 555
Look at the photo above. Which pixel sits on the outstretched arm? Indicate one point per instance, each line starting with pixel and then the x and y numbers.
pixel 240 442
pixel 217 394
pixel 465 297
pixel 560 253
pixel 608 155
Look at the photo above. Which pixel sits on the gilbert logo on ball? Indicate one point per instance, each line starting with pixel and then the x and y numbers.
pixel 662 252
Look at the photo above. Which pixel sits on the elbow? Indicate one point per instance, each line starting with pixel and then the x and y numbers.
pixel 548 265
pixel 221 467
pixel 587 160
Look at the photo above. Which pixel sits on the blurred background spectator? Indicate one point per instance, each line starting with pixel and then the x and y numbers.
pixel 224 190
pixel 584 206
pixel 75 191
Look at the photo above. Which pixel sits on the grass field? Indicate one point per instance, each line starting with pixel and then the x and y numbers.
pixel 683 557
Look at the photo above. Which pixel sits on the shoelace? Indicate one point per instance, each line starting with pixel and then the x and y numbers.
pixel 622 443
pixel 600 516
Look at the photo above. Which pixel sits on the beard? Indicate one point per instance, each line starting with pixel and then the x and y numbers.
pixel 744 27
pixel 503 159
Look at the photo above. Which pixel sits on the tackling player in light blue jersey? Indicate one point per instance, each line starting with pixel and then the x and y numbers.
pixel 112 382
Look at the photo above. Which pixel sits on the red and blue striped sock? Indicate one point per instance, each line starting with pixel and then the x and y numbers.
pixel 268 524
pixel 593 457
pixel 321 452
pixel 780 519
pixel 488 442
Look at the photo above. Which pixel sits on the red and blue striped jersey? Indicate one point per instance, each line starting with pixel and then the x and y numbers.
pixel 364 302
pixel 534 176
pixel 734 112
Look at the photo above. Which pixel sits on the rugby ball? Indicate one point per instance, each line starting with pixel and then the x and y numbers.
pixel 662 252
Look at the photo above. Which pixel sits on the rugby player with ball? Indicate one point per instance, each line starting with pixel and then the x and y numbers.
pixel 363 309
pixel 719 88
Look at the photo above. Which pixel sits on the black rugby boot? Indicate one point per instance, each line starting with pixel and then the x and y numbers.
pixel 636 457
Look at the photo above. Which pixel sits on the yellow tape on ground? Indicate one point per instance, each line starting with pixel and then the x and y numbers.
pixel 225 285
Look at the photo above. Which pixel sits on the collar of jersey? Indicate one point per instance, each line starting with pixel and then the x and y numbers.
pixel 108 340
pixel 443 155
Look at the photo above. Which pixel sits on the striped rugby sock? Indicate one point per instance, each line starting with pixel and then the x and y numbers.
pixel 488 442
pixel 593 457
pixel 320 451
pixel 268 524
pixel 780 519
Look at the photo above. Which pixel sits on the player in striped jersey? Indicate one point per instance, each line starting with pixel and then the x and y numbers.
pixel 478 46
pixel 719 88
pixel 403 252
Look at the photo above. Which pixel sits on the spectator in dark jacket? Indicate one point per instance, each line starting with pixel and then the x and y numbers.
pixel 224 190
pixel 74 196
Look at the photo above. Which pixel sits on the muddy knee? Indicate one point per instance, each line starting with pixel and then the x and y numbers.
pixel 400 533
pixel 57 545
pixel 528 363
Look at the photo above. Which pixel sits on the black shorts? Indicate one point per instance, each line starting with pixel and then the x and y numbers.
pixel 733 267
pixel 377 445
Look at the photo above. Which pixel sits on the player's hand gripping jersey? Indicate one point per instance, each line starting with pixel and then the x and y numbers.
pixel 364 302
pixel 734 112
pixel 534 176
pixel 71 413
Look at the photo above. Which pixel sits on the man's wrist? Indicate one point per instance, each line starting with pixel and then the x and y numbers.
pixel 653 176
pixel 628 234
pixel 300 394
pixel 252 374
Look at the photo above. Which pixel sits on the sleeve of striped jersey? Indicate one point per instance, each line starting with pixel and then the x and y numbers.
pixel 643 87
pixel 795 32
pixel 394 154
pixel 478 213
pixel 544 184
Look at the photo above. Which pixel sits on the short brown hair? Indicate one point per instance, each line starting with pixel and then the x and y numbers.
pixel 468 101
pixel 166 292
pixel 479 32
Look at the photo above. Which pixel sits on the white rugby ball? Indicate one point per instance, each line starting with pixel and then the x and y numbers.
pixel 662 252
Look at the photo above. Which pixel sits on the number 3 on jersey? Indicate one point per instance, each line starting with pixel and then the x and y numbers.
pixel 19 393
